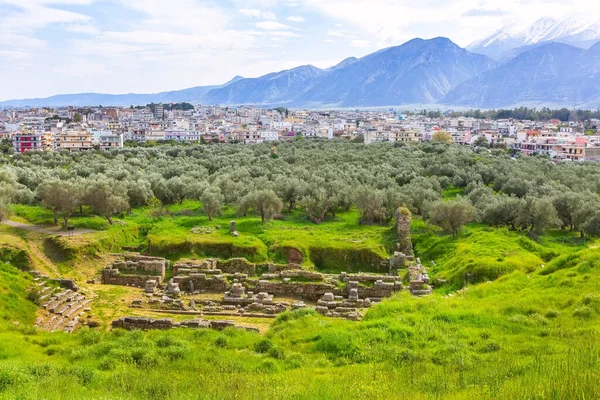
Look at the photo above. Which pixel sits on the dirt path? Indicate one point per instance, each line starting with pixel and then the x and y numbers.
pixel 47 231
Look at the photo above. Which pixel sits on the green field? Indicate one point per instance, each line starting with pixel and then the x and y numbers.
pixel 338 244
pixel 525 326
pixel 514 314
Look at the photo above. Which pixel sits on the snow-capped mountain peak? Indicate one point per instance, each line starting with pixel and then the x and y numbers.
pixel 574 30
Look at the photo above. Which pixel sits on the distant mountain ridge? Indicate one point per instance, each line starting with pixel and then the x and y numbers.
pixel 575 31
pixel 417 73
pixel 94 99
pixel 550 74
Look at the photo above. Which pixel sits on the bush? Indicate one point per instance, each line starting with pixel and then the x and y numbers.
pixel 337 343
pixel 263 346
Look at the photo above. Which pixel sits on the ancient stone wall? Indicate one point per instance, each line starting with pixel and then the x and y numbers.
pixel 132 323
pixel 308 291
pixel 237 265
pixel 142 265
pixel 113 277
pixel 135 270
pixel 206 267
pixel 379 290
pixel 202 282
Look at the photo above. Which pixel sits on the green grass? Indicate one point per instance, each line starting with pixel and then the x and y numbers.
pixel 482 254
pixel 15 308
pixel 338 244
pixel 518 337
pixel 42 216
pixel 525 325
pixel 530 333
pixel 346 244
pixel 452 192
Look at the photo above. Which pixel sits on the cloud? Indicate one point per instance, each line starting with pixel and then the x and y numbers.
pixel 295 18
pixel 271 26
pixel 392 22
pixel 359 43
pixel 249 12
pixel 254 13
pixel 88 29
pixel 479 12
pixel 286 34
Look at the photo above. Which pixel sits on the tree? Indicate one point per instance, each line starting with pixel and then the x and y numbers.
pixel 107 198
pixel 290 190
pixel 481 141
pixel 481 197
pixel 537 215
pixel 451 215
pixel 340 195
pixel 212 201
pixel 585 216
pixel 265 203
pixel 421 197
pixel 516 186
pixel 77 118
pixel 441 137
pixel 502 211
pixel 139 192
pixel 316 205
pixel 371 204
pixel 62 197
pixel 177 188
pixel 566 205
pixel 592 225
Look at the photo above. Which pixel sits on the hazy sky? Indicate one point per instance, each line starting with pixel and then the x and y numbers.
pixel 119 46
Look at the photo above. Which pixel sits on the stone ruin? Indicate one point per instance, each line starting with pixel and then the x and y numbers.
pixel 245 293
pixel 233 229
pixel 338 306
pixel 135 270
pixel 173 289
pixel 63 307
pixel 403 218
pixel 142 323
pixel 419 280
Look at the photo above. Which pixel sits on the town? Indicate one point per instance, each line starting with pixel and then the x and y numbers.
pixel 105 128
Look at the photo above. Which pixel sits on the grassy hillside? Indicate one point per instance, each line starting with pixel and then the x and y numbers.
pixel 530 332
pixel 338 244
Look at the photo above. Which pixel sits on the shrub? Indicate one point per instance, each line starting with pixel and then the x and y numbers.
pixel 337 343
pixel 263 346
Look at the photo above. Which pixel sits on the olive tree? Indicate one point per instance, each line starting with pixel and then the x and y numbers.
pixel 5 207
pixel 537 215
pixel 451 215
pixel 107 198
pixel 265 203
pixel 290 190
pixel 212 201
pixel 62 197
pixel 316 204
pixel 371 205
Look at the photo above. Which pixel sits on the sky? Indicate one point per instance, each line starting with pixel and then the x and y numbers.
pixel 50 47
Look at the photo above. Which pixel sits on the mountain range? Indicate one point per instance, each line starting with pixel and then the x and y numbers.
pixel 575 31
pixel 537 71
pixel 94 99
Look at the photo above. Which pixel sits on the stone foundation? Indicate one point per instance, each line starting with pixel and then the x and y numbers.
pixel 308 291
pixel 234 265
pixel 135 270
pixel 133 323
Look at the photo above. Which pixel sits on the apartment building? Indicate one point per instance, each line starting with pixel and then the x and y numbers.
pixel 74 140
pixel 112 141
pixel 32 141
